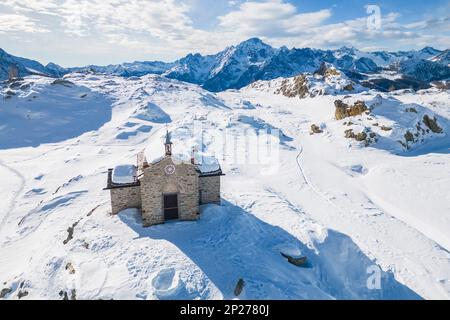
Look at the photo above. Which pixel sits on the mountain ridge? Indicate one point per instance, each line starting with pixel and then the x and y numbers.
pixel 240 65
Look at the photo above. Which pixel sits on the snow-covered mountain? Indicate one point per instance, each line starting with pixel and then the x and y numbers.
pixel 360 188
pixel 253 60
pixel 26 67
pixel 442 58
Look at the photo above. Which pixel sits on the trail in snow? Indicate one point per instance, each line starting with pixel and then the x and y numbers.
pixel 12 204
pixel 310 185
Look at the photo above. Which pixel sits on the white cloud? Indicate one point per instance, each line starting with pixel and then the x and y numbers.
pixel 18 23
pixel 165 28
pixel 272 18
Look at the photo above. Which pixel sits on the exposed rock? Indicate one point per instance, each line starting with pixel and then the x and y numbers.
pixel 349 134
pixel 239 287
pixel 70 268
pixel 73 295
pixel 63 82
pixel 70 231
pixel 93 210
pixel 344 110
pixel 85 244
pixel 432 124
pixel 299 262
pixel 348 87
pixel 316 129
pixel 65 296
pixel 442 85
pixel 409 137
pixel 298 88
pixel 5 292
pixel 411 110
pixel 22 294
pixel 362 136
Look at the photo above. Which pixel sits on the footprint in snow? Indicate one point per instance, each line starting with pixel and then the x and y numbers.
pixel 166 283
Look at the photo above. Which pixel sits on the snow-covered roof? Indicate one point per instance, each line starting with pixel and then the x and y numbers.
pixel 204 164
pixel 124 174
pixel 207 164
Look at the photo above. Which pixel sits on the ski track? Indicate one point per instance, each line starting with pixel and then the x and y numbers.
pixel 12 204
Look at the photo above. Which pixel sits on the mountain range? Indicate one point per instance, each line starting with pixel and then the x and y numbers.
pixel 252 60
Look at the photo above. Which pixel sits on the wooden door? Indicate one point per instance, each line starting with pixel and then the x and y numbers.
pixel 170 206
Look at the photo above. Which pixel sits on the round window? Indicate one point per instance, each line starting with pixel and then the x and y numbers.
pixel 170 169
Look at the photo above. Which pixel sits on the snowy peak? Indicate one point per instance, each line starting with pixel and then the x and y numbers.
pixel 442 58
pixel 430 51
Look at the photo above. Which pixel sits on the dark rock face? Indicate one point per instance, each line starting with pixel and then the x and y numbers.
pixel 432 124
pixel 387 85
pixel 22 294
pixel 298 262
pixel 5 292
pixel 239 287
pixel 425 70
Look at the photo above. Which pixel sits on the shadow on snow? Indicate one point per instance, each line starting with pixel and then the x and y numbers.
pixel 228 243
pixel 51 113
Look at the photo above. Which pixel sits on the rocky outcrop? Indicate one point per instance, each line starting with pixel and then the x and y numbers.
pixel 432 124
pixel 65 296
pixel 5 292
pixel 365 136
pixel 298 262
pixel 348 87
pixel 316 129
pixel 22 294
pixel 239 287
pixel 298 87
pixel 326 70
pixel 70 268
pixel 344 110
pixel 362 136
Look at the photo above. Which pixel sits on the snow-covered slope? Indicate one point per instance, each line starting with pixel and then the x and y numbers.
pixel 350 209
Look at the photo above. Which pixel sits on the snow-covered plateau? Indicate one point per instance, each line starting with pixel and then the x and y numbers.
pixel 363 197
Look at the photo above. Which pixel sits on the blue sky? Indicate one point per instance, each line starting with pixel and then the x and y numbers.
pixel 81 32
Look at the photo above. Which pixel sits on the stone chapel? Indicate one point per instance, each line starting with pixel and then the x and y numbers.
pixel 167 188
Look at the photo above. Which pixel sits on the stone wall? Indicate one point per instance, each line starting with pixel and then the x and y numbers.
pixel 156 182
pixel 210 189
pixel 125 198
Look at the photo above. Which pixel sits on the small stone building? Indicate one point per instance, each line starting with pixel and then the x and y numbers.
pixel 168 188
